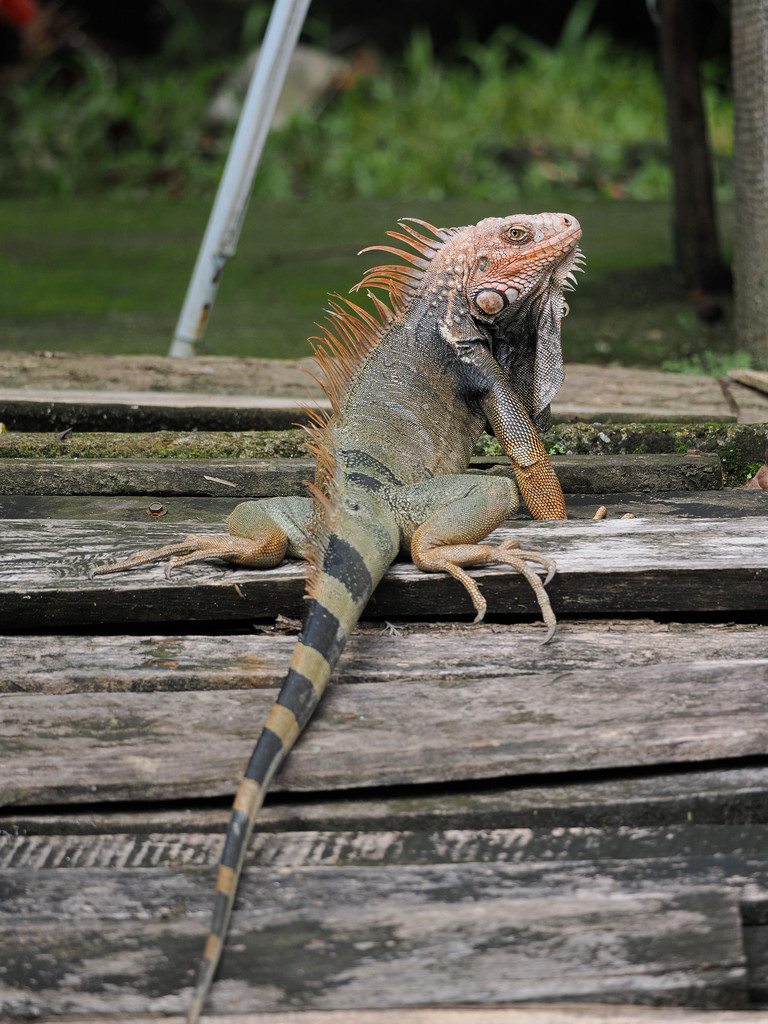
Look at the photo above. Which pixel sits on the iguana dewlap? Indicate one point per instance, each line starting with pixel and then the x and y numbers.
pixel 471 337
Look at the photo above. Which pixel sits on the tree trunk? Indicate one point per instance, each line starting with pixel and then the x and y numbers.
pixel 695 237
pixel 750 165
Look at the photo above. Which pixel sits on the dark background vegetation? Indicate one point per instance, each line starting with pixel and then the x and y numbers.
pixel 109 161
pixel 142 28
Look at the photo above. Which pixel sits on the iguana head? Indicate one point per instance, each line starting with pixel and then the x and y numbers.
pixel 514 289
pixel 516 258
pixel 498 283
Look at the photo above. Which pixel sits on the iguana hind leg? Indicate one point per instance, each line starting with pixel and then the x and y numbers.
pixel 445 518
pixel 259 536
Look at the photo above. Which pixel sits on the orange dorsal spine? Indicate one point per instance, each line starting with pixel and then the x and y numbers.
pixel 347 337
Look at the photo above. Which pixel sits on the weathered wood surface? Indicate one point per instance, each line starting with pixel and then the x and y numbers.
pixel 605 567
pixel 514 720
pixel 728 503
pixel 54 409
pixel 580 1013
pixel 235 478
pixel 620 389
pixel 741 849
pixel 475 863
pixel 757 379
pixel 378 936
pixel 423 652
pixel 727 794
pixel 254 478
pixel 48 409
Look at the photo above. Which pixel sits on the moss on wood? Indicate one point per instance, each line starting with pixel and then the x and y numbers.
pixel 162 444
pixel 740 446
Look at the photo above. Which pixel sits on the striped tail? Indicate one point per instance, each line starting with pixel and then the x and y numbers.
pixel 340 591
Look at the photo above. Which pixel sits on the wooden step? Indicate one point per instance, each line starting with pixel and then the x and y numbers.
pixel 578 1013
pixel 53 409
pixel 376 936
pixel 605 567
pixel 259 478
pixel 85 410
pixel 405 710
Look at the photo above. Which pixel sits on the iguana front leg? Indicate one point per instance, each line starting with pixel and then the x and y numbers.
pixel 517 435
pixel 260 534
pixel 443 520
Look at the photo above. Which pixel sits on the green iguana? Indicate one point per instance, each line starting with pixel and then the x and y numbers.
pixel 471 337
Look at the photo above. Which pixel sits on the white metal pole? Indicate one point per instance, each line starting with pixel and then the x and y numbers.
pixel 228 212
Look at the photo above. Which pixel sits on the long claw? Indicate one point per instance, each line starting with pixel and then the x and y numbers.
pixel 145 557
pixel 538 588
pixel 480 614
pixel 263 552
pixel 451 559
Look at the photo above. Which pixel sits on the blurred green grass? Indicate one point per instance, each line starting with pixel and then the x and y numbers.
pixel 108 273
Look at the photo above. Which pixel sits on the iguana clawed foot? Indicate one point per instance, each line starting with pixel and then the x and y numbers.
pixel 260 535
pixel 264 553
pixel 452 558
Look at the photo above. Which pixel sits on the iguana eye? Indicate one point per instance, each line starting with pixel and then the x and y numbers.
pixel 517 235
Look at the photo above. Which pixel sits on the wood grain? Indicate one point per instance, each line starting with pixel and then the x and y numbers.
pixel 435 652
pixel 142 746
pixel 605 568
pixel 724 504
pixel 251 478
pixel 583 1013
pixel 374 937
pixel 740 848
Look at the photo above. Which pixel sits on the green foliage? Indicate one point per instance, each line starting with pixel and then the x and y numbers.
pixel 127 127
pixel 507 117
pixel 708 363
pixel 488 445
pixel 513 116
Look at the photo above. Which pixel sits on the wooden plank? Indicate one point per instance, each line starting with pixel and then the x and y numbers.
pixel 254 478
pixel 728 503
pixel 233 478
pixel 581 1013
pixel 730 795
pixel 608 567
pixel 49 409
pixel 724 795
pixel 741 850
pixel 31 409
pixel 128 940
pixel 194 744
pixel 421 652
pixel 592 412
pixel 757 379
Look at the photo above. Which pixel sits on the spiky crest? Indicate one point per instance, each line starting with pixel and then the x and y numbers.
pixel 347 336
pixel 402 281
pixel 350 332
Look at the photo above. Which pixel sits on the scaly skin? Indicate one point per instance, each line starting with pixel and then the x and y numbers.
pixel 472 337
